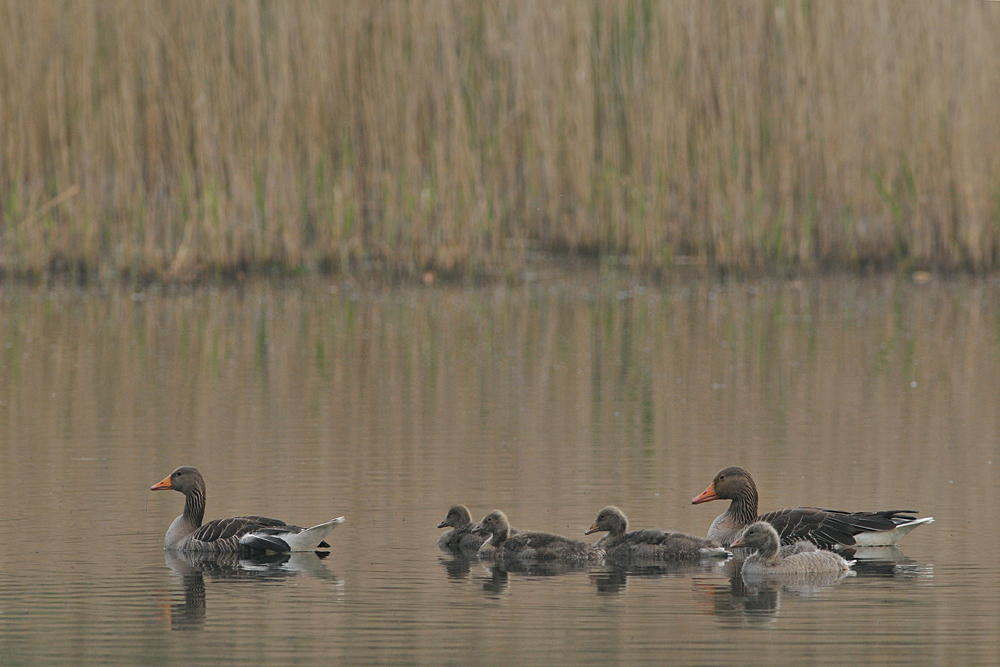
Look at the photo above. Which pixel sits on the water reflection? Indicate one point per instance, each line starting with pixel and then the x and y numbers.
pixel 498 574
pixel 193 568
pixel 748 598
pixel 803 583
pixel 891 564
pixel 612 579
pixel 609 579
pixel 457 566
pixel 548 400
pixel 745 597
pixel 494 577
pixel 496 583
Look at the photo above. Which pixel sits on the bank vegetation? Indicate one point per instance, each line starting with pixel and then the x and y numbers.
pixel 174 140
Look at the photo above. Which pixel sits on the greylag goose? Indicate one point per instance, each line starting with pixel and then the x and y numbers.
pixel 763 539
pixel 501 545
pixel 829 529
pixel 654 544
pixel 236 534
pixel 461 538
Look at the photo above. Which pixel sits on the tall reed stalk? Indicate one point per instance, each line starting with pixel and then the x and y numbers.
pixel 170 139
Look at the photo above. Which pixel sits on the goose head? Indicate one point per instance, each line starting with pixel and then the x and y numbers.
pixel 729 484
pixel 185 479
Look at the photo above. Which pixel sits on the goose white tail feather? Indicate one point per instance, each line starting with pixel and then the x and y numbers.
pixel 888 538
pixel 283 541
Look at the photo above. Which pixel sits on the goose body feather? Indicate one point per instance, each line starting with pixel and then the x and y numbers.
pixel 460 539
pixel 502 545
pixel 767 558
pixel 234 534
pixel 827 528
pixel 623 545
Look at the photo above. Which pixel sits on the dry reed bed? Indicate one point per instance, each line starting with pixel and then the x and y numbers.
pixel 170 139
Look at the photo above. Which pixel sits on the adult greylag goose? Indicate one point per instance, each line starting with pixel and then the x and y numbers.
pixel 829 529
pixel 653 544
pixel 762 538
pixel 236 534
pixel 461 538
pixel 502 545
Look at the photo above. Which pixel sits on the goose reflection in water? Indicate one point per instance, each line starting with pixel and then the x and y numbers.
pixel 498 575
pixel 612 579
pixel 734 601
pixel 496 579
pixel 750 598
pixel 458 566
pixel 193 569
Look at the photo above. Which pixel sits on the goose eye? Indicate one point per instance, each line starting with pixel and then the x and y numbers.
pixel 721 477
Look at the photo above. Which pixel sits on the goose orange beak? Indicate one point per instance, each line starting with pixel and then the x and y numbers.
pixel 162 485
pixel 706 495
pixel 592 529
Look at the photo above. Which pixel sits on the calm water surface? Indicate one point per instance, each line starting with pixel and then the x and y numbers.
pixel 310 400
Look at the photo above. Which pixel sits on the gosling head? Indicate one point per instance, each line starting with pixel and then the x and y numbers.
pixel 494 524
pixel 760 536
pixel 610 519
pixel 457 517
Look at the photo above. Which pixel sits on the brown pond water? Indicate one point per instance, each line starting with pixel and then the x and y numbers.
pixel 310 400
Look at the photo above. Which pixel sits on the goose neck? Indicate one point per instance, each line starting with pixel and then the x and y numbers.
pixel 194 506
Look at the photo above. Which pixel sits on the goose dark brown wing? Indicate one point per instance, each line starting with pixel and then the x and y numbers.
pixel 804 523
pixel 829 528
pixel 223 529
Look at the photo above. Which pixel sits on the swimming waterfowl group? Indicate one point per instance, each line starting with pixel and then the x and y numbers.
pixel 799 529
pixel 788 541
